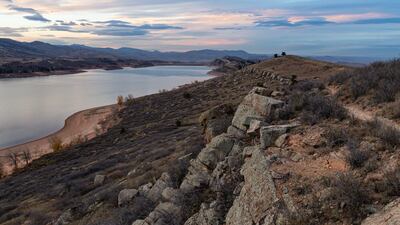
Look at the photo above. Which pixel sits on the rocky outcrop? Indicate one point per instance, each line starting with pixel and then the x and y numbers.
pixel 255 106
pixel 232 192
pixel 390 215
pixel 258 195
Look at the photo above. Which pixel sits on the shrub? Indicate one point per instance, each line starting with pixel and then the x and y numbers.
pixel 394 110
pixel 56 143
pixel 283 54
pixel 129 99
pixel 392 182
pixel 336 137
pixel 339 78
pixel 308 85
pixel 381 79
pixel 120 100
pixel 320 107
pixel 388 134
pixel 187 95
pixel 356 158
pixel 348 191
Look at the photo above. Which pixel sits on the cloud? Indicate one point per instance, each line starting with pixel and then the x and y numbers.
pixel 394 20
pixel 35 15
pixel 290 23
pixel 11 32
pixel 159 27
pixel 120 32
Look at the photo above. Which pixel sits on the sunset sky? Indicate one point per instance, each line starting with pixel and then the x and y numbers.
pixel 307 27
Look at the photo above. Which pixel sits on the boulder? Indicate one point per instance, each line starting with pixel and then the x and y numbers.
pixel 235 132
pixel 281 140
pixel 389 215
pixel 126 195
pixel 99 180
pixel 258 196
pixel 163 182
pixel 269 134
pixel 209 214
pixel 144 189
pixel 165 213
pixel 256 106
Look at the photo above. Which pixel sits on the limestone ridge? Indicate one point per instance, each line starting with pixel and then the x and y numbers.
pixel 230 179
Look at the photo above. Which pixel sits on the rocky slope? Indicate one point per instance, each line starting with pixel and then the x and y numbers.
pixel 257 146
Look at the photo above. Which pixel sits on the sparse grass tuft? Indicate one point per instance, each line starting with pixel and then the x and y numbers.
pixel 56 143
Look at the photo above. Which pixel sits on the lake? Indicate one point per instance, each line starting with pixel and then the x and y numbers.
pixel 31 108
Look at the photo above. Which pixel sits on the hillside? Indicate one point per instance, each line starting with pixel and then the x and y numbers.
pixel 272 143
pixel 13 50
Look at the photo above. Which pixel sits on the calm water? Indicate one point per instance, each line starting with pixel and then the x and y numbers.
pixel 31 108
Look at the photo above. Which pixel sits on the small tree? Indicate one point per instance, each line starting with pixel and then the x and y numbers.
pixel 56 143
pixel 13 157
pixel 276 55
pixel 283 53
pixel 120 100
pixel 26 156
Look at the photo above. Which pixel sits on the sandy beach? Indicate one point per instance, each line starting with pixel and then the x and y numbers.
pixel 85 124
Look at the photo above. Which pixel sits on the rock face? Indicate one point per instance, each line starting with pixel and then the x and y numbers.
pixel 216 120
pixel 126 195
pixel 390 215
pixel 257 196
pixel 255 106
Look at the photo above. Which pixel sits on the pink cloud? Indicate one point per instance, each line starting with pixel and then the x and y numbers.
pixel 342 18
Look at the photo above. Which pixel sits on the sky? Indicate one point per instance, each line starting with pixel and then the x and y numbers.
pixel 303 27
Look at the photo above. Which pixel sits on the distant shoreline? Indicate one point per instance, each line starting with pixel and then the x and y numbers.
pixel 82 70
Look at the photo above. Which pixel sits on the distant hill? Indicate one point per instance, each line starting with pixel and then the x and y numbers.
pixel 12 50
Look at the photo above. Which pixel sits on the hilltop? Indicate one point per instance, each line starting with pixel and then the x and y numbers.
pixel 275 142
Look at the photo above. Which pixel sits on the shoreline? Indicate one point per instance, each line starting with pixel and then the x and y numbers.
pixel 108 68
pixel 85 123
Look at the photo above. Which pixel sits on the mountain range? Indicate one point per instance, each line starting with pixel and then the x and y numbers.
pixel 12 50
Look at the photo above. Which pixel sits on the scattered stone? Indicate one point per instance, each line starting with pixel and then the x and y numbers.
pixel 163 182
pixel 126 195
pixel 281 140
pixel 144 189
pixel 99 180
pixel 297 157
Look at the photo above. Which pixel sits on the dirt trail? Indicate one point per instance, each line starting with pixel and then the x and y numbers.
pixel 363 115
